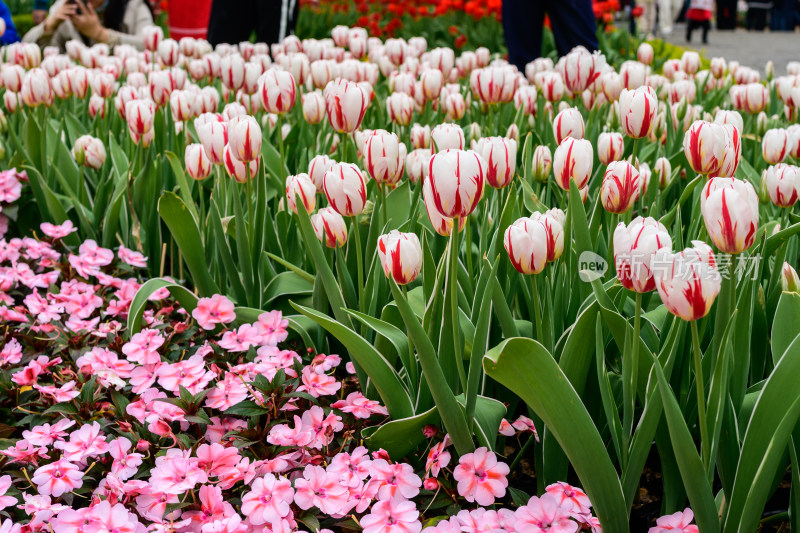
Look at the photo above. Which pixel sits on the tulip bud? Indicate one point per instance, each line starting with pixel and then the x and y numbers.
pixel 313 107
pixel 432 82
pixel 300 186
pixel 781 182
pixel 198 166
pixel 400 255
pixel 620 187
pixel 232 72
pixel 637 111
pixel 345 189
pixel 769 70
pixel 553 220
pixel 382 157
pixel 453 105
pixel 580 69
pixel 457 178
pixel 525 99
pixel 663 170
pixel 774 146
pixel 573 161
pixel 421 136
pixel 97 106
pixel 11 101
pixel 330 227
pixel 36 88
pixel 789 280
pixel 552 86
pixel 237 169
pixel 633 73
pixel 152 37
pixel 645 53
pixel 140 115
pixel 568 123
pixel 474 132
pixel 733 118
pixel 793 132
pixel 447 136
pixel 730 211
pixel 417 164
pixel 513 132
pixel 89 152
pixel 525 242
pixel 400 107
pixel 688 282
pixel 704 145
pixel 500 155
pixel 214 137
pixel 542 163
pixel 635 246
pixel 690 62
pixel 718 66
pixel 277 88
pixel 346 103
pixel 609 147
pixel 317 168
pixel 244 138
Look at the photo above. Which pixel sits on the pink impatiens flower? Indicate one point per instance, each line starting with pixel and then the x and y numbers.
pixel 58 231
pixel 6 501
pixel 360 406
pixel 320 489
pixel 269 500
pixel 212 311
pixel 397 481
pixel 392 516
pixel 438 457
pixel 57 478
pixel 318 384
pixel 678 523
pixel 545 514
pixel 570 497
pixel 481 478
pixel 134 259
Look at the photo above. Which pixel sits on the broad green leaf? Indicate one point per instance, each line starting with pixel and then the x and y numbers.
pixel 187 300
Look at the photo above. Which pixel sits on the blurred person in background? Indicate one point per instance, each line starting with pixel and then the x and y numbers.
pixel 699 16
pixel 10 35
pixel 93 21
pixel 40 8
pixel 757 14
pixel 234 21
pixel 572 22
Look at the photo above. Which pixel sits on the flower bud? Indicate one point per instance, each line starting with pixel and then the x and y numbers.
pixel 382 157
pixel 620 187
pixel 214 137
pixel 457 178
pixel 346 103
pixel 244 138
pixel 635 246
pixel 89 151
pixel 774 146
pixel 553 220
pixel 345 189
pixel 152 37
pixel 313 107
pixel 500 155
pixel 663 170
pixel 300 186
pixel 568 123
pixel 573 161
pixel 637 111
pixel 421 136
pixel 237 169
pixel 198 166
pixel 688 282
pixel 447 136
pixel 400 107
pixel 317 168
pixel 330 227
pixel 277 88
pixel 609 147
pixel 782 181
pixel 645 53
pixel 704 144
pixel 789 280
pixel 542 163
pixel 400 255
pixel 417 164
pixel 525 242
pixel 730 211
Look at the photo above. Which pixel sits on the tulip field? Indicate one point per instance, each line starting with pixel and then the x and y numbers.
pixel 350 283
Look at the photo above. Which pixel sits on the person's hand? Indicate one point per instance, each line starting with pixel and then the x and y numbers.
pixel 39 15
pixel 64 12
pixel 87 22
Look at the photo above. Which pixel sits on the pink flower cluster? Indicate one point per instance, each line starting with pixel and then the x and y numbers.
pixel 10 191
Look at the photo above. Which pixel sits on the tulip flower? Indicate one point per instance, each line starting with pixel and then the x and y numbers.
pixel 500 155
pixel 152 37
pixel 277 88
pixel 635 246
pixel 755 98
pixel 774 146
pixel 313 107
pixel 198 165
pixel 346 103
pixel 36 88
pixel 688 282
pixel 421 136
pixel 300 186
pixel 568 123
pixel 542 163
pixel 633 74
pixel 782 183
pixel 552 86
pixel 345 189
pixel 663 170
pixel 704 144
pixel 140 115
pixel 573 161
pixel 400 107
pixel 447 136
pixel 525 99
pixel 89 151
pixel 432 81
pixel 214 138
pixel 400 255
pixel 732 152
pixel 417 164
pixel 244 138
pixel 330 227
pixel 456 178
pixel 609 147
pixel 553 220
pixel 384 158
pixel 237 169
pixel 730 211
pixel 317 168
pixel 620 187
pixel 580 69
pixel 97 106
pixel 725 116
pixel 790 282
pixel 453 105
pixel 645 53
pixel 526 242
pixel 637 111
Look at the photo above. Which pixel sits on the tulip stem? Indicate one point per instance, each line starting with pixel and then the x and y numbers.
pixel 383 204
pixel 282 149
pixel 452 280
pixel 634 362
pixel 537 313
pixel 359 263
pixel 701 397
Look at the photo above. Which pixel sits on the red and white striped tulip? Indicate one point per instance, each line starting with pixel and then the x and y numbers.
pixel 637 111
pixel 382 157
pixel 526 242
pixel 687 282
pixel 36 88
pixel 718 66
pixel 726 116
pixel 447 136
pixel 612 85
pixel 635 246
pixel 573 161
pixel 421 136
pixel 432 81
pixel 140 115
pixel 313 107
pixel 238 169
pixel 552 86
pixel 568 123
pixel 97 106
pixel 775 145
pixel 553 220
pixel 417 164
pixel 704 145
pixel 301 186
pixel 633 73
pixel 542 163
pixel 244 138
pixel 400 107
pixel 169 52
pixel 580 69
pixel 782 184
pixel 400 255
pixel 278 91
pixel 620 187
pixel 663 170
pixel 457 179
pixel 790 282
pixel 730 211
pixel 317 168
pixel 151 37
pixel 645 53
pixel 500 154
pixel 733 151
pixel 89 151
pixel 232 71
pixel 453 104
pixel 198 165
pixel 345 189
pixel 214 137
pixel 330 227
pixel 346 102
pixel 609 147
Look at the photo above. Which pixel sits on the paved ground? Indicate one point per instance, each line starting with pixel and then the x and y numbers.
pixel 752 49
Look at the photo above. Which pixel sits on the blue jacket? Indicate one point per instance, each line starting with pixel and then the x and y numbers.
pixel 11 35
